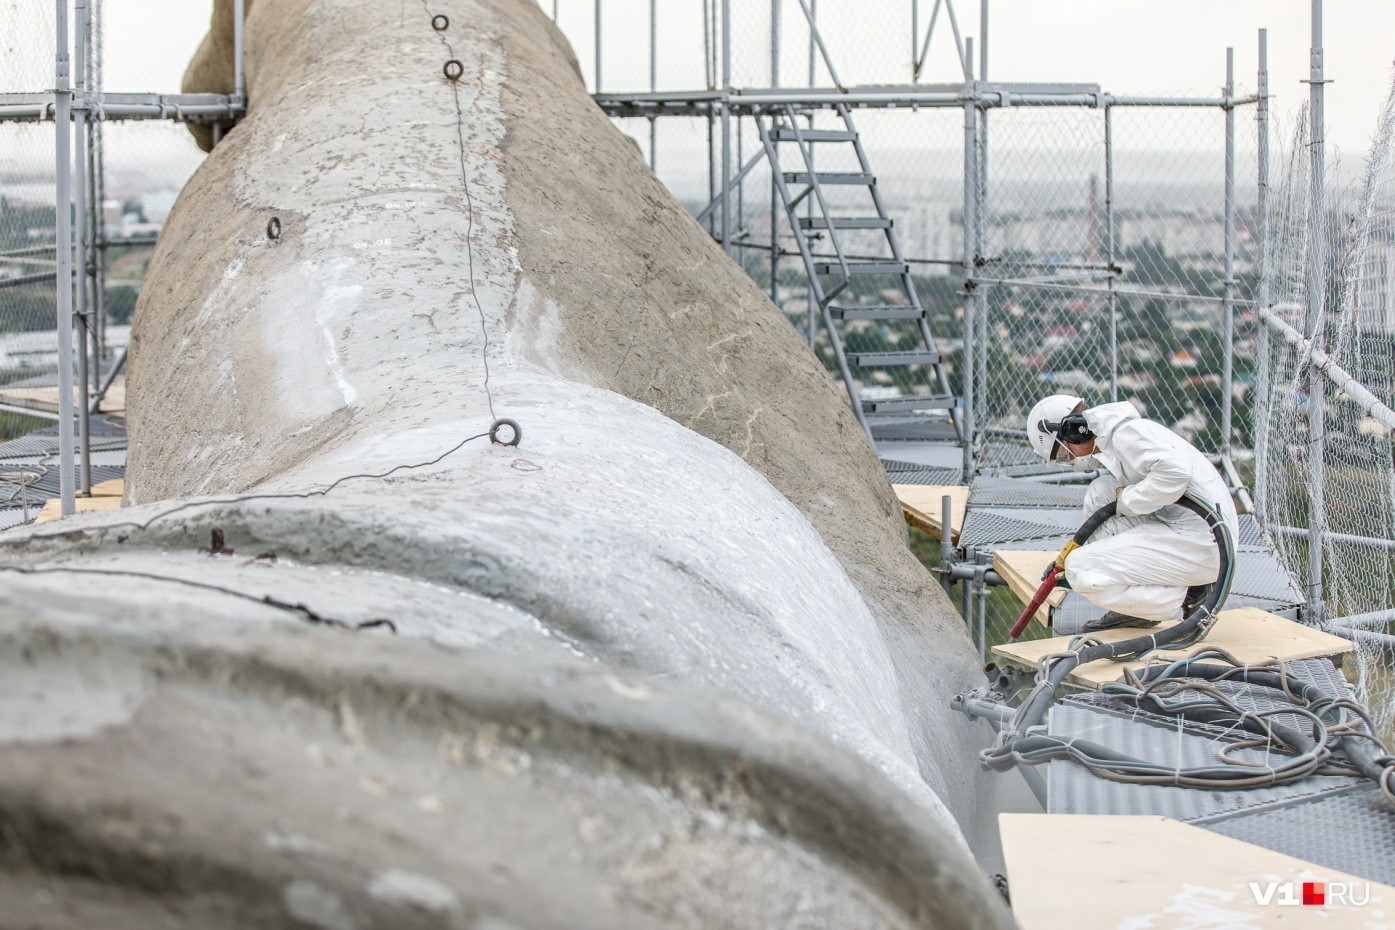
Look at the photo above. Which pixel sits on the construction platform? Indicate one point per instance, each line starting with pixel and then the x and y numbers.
pixel 1134 854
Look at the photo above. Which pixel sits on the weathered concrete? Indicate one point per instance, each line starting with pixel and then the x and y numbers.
pixel 709 677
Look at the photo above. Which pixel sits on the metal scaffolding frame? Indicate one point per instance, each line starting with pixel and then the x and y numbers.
pixel 978 97
pixel 77 112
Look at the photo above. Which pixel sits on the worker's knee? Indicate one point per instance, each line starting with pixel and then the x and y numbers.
pixel 1085 574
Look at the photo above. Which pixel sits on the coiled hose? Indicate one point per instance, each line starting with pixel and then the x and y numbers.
pixel 1312 753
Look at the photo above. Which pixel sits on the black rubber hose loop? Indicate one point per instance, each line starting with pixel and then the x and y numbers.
pixel 501 423
pixel 273 229
pixel 439 22
pixel 453 69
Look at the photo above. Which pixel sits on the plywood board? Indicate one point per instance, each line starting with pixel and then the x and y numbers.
pixel 1091 872
pixel 53 509
pixel 1022 570
pixel 113 488
pixel 1247 633
pixel 113 402
pixel 923 506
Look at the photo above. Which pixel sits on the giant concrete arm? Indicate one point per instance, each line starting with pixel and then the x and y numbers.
pixel 667 662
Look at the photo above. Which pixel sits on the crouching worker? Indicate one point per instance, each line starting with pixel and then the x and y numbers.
pixel 1139 564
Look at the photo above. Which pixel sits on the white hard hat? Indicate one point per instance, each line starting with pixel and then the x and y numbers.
pixel 1054 408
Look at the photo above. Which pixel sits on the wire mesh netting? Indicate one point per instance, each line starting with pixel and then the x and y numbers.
pixel 128 175
pixel 28 320
pixel 1344 485
pixel 1105 266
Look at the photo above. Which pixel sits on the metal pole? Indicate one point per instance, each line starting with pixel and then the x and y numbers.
pixel 946 541
pixel 981 224
pixel 1228 293
pixel 63 233
pixel 1262 363
pixel 915 40
pixel 1317 286
pixel 91 228
pixel 79 188
pixel 1110 249
pixel 726 126
pixel 775 43
pixel 970 210
pixel 982 290
pixel 983 40
pixel 774 190
pixel 653 83
pixel 96 304
pixel 598 46
pixel 740 182
pixel 812 326
pixel 239 52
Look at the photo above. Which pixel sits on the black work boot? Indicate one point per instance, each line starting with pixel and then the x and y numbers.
pixel 1113 620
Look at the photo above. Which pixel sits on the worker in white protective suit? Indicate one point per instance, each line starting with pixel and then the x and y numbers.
pixel 1138 564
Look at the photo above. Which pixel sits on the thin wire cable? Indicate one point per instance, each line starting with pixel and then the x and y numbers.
pixel 267 600
pixel 244 498
pixel 469 207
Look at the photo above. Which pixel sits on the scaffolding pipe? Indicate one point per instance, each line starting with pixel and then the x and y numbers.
pixel 961 571
pixel 966 377
pixel 726 127
pixel 1112 299
pixel 239 52
pixel 653 83
pixel 946 541
pixel 1228 294
pixel 919 57
pixel 598 45
pixel 80 318
pixel 1262 362
pixel 1317 287
pixel 774 191
pixel 1361 621
pixel 983 40
pixel 63 221
pixel 817 39
pixel 96 196
pixel 683 103
pixel 915 40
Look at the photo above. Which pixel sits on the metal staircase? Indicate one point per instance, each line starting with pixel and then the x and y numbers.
pixel 901 347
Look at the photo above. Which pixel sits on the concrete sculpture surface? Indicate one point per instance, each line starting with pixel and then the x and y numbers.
pixel 666 662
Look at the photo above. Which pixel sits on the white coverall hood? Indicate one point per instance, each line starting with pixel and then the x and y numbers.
pixel 1142 561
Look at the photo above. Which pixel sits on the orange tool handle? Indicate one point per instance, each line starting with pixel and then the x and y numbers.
pixel 1038 599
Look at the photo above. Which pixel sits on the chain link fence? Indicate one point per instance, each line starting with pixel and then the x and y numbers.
pixel 1336 473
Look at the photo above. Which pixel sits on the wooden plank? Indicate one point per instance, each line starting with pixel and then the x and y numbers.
pixel 46 398
pixel 53 509
pixel 1022 570
pixel 1247 633
pixel 1091 872
pixel 922 505
pixel 113 488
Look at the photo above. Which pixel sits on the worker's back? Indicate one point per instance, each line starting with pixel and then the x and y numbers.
pixel 1133 448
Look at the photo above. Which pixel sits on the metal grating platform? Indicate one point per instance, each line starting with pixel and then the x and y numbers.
pixel 993 529
pixel 991 491
pixel 918 474
pixel 1352 831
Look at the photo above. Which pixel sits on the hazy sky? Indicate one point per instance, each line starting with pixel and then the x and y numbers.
pixel 1127 46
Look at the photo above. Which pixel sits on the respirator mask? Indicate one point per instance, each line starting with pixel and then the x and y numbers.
pixel 1072 429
